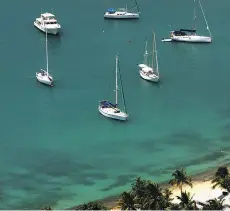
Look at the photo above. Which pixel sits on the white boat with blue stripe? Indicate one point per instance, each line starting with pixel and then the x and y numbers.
pixel 122 13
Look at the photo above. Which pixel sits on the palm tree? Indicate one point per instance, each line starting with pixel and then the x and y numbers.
pixel 174 206
pixel 153 190
pixel 186 201
pixel 219 177
pixel 157 199
pixel 154 196
pixel 214 204
pixel 127 201
pixel 142 203
pixel 226 184
pixel 92 205
pixel 180 178
pixel 138 187
pixel 167 198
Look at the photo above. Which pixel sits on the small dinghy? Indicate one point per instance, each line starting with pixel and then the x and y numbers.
pixel 166 40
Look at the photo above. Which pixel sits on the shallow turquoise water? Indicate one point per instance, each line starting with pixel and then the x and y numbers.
pixel 57 149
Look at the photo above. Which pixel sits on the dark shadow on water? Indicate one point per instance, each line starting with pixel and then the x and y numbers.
pixel 56 171
pixel 120 181
pixel 187 139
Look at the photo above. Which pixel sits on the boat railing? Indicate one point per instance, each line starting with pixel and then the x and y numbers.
pixel 121 10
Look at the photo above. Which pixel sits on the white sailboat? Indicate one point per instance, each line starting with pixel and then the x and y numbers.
pixel 123 13
pixel 111 110
pixel 43 76
pixel 146 71
pixel 189 35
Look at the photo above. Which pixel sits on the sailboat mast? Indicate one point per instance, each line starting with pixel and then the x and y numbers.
pixel 194 16
pixel 137 6
pixel 126 6
pixel 47 58
pixel 153 51
pixel 122 90
pixel 146 52
pixel 205 19
pixel 156 55
pixel 116 80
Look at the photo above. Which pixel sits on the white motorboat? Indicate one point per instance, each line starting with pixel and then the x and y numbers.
pixel 47 22
pixel 189 35
pixel 43 76
pixel 122 13
pixel 146 71
pixel 111 110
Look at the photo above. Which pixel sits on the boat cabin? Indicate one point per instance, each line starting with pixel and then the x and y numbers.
pixel 43 72
pixel 147 70
pixel 47 16
pixel 50 21
pixel 111 11
pixel 107 104
pixel 182 32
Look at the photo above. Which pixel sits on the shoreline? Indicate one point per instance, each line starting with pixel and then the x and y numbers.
pixel 199 179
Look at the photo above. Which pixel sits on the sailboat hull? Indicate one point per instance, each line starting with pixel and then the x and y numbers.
pixel 149 77
pixel 192 39
pixel 121 15
pixel 111 113
pixel 45 79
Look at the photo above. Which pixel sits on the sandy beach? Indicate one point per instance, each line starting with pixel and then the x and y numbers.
pixel 202 189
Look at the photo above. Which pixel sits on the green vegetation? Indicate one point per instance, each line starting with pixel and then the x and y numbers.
pixel 147 195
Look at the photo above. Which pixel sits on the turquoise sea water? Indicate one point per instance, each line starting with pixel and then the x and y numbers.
pixel 57 149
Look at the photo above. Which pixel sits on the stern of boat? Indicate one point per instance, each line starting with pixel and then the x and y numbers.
pixel 53 31
pixel 151 77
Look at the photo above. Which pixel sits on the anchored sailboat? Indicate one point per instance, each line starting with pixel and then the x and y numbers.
pixel 146 71
pixel 43 76
pixel 189 35
pixel 111 110
pixel 123 13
